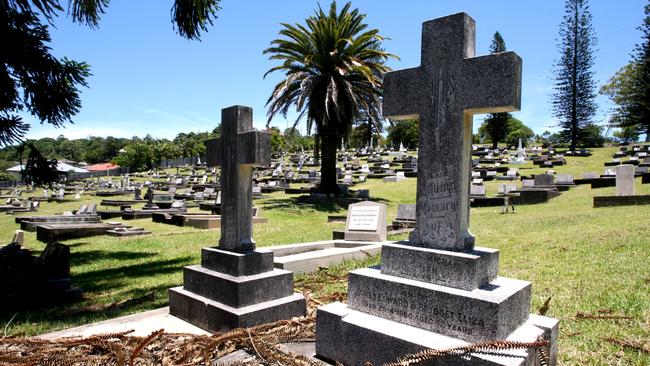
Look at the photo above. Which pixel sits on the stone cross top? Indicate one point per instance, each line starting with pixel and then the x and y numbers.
pixel 449 87
pixel 239 148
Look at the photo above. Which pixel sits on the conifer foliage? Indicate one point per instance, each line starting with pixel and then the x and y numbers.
pixel 575 90
pixel 497 123
pixel 638 107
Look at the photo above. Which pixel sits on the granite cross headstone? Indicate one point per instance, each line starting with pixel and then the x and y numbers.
pixel 438 289
pixel 444 92
pixel 239 149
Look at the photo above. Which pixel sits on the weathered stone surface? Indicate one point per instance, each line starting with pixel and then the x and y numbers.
pixel 29 223
pixel 55 232
pixel 241 148
pixel 490 312
pixel 238 291
pixel 405 212
pixel 237 264
pixel 444 93
pixel 354 338
pixel 217 317
pixel 625 180
pixel 544 180
pixel 438 291
pixel 366 221
pixel 463 270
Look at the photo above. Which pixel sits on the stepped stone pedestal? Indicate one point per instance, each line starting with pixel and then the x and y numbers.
pixel 236 286
pixel 431 298
pixel 234 290
pixel 437 290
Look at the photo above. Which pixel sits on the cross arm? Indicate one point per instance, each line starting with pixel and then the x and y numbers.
pixel 492 83
pixel 253 147
pixel 402 93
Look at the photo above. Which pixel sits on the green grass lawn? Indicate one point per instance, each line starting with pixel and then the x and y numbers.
pixel 589 261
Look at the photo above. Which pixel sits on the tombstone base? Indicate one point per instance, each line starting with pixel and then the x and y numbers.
pixel 214 316
pixel 463 270
pixel 490 312
pixel 233 290
pixel 351 338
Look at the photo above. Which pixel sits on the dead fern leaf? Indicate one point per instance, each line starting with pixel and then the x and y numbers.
pixel 544 308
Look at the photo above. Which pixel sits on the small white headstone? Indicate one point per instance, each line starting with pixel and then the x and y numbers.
pixel 507 188
pixel 366 222
pixel 527 183
pixel 477 190
pixel 564 179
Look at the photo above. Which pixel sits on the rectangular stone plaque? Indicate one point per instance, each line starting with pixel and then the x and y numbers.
pixel 462 270
pixel 363 218
pixel 486 313
pixel 366 221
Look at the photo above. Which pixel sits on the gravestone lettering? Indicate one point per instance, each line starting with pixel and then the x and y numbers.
pixel 444 92
pixel 241 148
pixel 366 221
pixel 363 218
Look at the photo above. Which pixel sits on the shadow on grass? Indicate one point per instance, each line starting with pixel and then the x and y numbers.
pixel 115 277
pixel 77 244
pixel 84 312
pixel 86 257
pixel 333 206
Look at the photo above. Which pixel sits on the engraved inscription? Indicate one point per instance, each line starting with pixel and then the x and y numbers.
pixel 364 218
pixel 415 308
pixel 437 269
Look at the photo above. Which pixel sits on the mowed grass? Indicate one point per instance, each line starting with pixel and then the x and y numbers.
pixel 588 261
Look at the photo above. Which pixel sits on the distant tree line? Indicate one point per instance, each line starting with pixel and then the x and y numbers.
pixel 136 153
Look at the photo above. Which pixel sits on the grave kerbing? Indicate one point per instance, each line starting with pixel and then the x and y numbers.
pixel 236 285
pixel 438 290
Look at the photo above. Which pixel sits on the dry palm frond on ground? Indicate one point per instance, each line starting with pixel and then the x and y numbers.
pixel 160 348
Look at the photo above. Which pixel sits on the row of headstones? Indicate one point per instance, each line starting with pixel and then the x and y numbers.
pixel 636 150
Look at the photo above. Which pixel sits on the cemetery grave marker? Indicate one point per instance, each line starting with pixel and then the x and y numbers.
pixel 236 285
pixel 366 221
pixel 444 93
pixel 625 180
pixel 438 290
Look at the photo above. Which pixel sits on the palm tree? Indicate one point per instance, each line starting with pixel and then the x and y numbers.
pixel 333 69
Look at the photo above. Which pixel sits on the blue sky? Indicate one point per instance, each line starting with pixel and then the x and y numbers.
pixel 148 80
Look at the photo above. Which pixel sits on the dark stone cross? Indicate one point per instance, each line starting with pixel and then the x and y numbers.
pixel 239 148
pixel 449 87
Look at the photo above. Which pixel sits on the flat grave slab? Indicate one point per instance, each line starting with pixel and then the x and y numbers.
pixel 308 257
pixel 142 324
pixel 55 232
pixel 31 223
pixel 613 201
pixel 122 232
pixel 144 214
